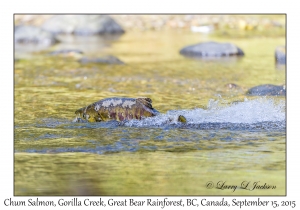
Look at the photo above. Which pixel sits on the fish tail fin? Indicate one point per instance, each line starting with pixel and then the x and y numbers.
pixel 181 119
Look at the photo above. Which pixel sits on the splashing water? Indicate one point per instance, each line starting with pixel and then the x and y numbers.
pixel 257 114
pixel 248 112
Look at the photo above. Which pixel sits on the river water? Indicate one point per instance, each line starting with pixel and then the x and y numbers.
pixel 230 139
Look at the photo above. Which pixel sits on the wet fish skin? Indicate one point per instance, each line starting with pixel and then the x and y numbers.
pixel 119 109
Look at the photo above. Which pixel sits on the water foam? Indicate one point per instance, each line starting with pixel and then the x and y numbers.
pixel 246 112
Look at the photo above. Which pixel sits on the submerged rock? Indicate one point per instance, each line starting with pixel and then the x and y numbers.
pixel 211 49
pixel 105 60
pixel 280 56
pixel 231 86
pixel 65 52
pixel 33 35
pixel 267 90
pixel 82 25
pixel 70 53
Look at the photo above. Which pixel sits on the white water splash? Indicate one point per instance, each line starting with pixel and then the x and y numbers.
pixel 249 111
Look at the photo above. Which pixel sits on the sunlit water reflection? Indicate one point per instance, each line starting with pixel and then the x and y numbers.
pixel 228 135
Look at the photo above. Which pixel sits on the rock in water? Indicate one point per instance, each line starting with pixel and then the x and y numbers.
pixel 117 109
pixel 231 86
pixel 65 52
pixel 33 35
pixel 267 90
pixel 82 25
pixel 102 60
pixel 280 56
pixel 211 49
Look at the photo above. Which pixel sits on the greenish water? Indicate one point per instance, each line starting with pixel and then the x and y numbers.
pixel 229 136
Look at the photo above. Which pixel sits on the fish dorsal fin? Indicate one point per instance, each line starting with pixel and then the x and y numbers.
pixel 145 101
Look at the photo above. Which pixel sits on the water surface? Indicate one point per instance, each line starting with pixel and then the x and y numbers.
pixel 230 137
